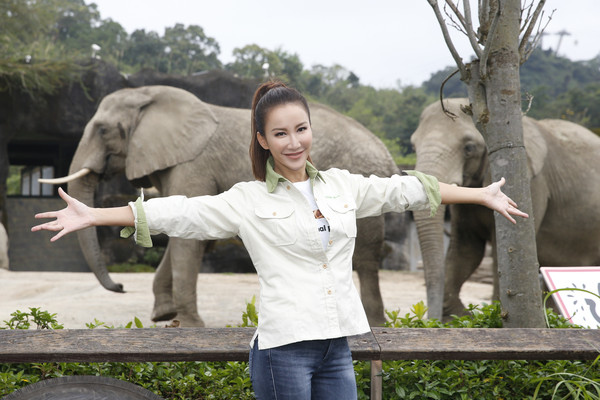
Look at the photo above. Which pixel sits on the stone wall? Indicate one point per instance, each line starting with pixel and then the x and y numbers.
pixel 31 251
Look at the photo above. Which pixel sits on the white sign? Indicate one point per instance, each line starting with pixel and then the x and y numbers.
pixel 579 307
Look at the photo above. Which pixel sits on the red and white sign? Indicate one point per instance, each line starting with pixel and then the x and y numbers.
pixel 579 307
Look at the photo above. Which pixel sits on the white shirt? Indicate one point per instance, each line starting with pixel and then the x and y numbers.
pixel 306 291
pixel 322 225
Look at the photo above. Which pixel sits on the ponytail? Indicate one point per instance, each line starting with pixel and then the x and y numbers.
pixel 267 96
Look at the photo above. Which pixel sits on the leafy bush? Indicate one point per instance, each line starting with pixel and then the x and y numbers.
pixel 406 379
pixel 487 379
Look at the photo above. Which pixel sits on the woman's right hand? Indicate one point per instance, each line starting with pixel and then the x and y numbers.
pixel 74 217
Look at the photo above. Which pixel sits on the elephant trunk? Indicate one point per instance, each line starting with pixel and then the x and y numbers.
pixel 83 189
pixel 431 240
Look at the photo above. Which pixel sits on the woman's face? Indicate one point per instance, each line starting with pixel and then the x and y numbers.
pixel 288 137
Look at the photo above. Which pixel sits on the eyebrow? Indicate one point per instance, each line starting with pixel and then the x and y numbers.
pixel 296 127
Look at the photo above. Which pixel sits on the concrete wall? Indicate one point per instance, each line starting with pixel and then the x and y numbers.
pixel 33 251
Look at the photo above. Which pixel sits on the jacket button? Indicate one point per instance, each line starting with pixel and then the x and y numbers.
pixel 324 266
pixel 330 242
pixel 288 187
pixel 274 213
pixel 345 205
pixel 329 291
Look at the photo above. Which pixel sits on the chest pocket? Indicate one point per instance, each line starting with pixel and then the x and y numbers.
pixel 345 212
pixel 277 224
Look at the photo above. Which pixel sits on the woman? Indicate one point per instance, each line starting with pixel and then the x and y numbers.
pixel 299 226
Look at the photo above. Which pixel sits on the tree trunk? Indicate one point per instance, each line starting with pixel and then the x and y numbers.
pixel 496 105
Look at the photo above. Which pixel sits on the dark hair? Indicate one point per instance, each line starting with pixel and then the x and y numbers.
pixel 267 96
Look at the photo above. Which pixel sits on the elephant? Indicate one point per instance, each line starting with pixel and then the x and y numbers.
pixel 167 138
pixel 563 169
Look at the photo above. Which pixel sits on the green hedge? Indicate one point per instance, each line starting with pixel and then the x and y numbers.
pixel 410 379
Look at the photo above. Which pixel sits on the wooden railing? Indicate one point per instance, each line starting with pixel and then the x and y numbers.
pixel 232 344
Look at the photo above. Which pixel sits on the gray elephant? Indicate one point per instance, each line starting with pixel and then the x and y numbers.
pixel 167 138
pixel 564 169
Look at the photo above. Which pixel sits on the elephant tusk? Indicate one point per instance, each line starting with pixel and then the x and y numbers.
pixel 65 179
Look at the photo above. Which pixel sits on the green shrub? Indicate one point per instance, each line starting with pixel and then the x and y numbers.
pixel 487 379
pixel 406 379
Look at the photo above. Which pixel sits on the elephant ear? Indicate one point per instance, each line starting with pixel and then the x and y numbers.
pixel 172 126
pixel 535 145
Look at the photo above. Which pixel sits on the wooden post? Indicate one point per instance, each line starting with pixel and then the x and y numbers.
pixel 376 380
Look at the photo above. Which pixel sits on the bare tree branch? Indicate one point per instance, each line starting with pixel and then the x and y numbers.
pixel 482 7
pixel 456 12
pixel 532 23
pixel 529 99
pixel 525 21
pixel 449 113
pixel 488 44
pixel 469 28
pixel 454 24
pixel 457 59
pixel 534 43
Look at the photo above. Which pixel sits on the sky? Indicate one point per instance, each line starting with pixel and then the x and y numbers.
pixel 386 43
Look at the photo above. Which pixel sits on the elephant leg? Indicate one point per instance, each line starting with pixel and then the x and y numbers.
pixel 164 309
pixel 367 261
pixel 496 290
pixel 465 252
pixel 186 259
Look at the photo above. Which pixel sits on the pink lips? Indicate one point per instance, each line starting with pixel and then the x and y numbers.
pixel 295 155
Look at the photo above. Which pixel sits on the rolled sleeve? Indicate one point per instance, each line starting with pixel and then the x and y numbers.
pixel 432 189
pixel 140 231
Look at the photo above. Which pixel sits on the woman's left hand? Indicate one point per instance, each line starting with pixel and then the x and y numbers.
pixel 495 199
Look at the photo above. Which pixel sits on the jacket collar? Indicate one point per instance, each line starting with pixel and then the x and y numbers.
pixel 272 178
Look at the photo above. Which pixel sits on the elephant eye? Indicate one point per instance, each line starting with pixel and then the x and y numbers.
pixel 470 149
pixel 101 130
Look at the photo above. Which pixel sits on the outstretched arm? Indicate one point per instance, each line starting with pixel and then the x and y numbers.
pixel 490 196
pixel 78 216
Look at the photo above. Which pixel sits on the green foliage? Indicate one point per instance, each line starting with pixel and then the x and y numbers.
pixel 41 319
pixel 13 183
pixel 503 379
pixel 38 43
pixel 154 255
pixel 561 88
pixel 250 316
pixel 406 379
pixel 41 40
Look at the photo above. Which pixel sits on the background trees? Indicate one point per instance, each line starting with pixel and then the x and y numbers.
pixel 44 40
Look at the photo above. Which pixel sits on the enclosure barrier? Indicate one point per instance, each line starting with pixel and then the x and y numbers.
pixel 232 344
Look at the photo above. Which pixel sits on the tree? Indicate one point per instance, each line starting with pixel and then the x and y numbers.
pixel 255 62
pixel 143 49
pixel 189 50
pixel 112 39
pixel 493 85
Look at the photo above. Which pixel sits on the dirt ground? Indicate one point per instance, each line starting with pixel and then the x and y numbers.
pixel 78 298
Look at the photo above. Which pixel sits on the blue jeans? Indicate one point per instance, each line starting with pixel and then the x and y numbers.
pixel 310 370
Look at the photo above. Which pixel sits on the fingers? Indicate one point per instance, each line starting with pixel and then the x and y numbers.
pixel 48 226
pixel 58 235
pixel 49 214
pixel 508 217
pixel 512 210
pixel 63 195
pixel 518 212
